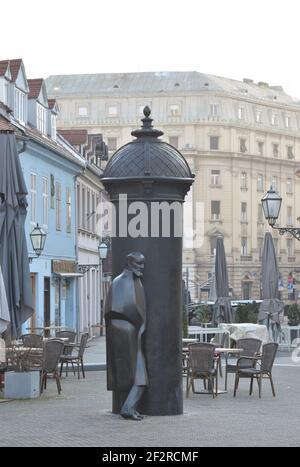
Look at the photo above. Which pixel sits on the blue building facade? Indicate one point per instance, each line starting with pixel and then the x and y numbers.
pixel 51 204
pixel 50 165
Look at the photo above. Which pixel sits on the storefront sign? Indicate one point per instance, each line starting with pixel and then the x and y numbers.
pixel 63 266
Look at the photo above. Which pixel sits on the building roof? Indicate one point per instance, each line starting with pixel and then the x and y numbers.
pixel 5 125
pixel 179 82
pixel 3 67
pixel 35 86
pixel 15 66
pixel 75 137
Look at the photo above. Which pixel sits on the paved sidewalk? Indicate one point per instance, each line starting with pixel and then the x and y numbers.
pixel 81 417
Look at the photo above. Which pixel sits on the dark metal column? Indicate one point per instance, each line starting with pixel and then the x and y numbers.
pixel 151 170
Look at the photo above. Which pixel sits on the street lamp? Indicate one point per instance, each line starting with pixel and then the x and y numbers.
pixel 271 204
pixel 38 238
pixel 103 250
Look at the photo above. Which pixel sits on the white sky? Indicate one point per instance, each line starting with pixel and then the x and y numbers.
pixel 257 39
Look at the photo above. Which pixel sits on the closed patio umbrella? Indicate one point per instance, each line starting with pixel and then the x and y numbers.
pixel 222 308
pixel 4 312
pixel 14 260
pixel 271 307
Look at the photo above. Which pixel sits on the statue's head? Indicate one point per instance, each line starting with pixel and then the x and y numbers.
pixel 135 263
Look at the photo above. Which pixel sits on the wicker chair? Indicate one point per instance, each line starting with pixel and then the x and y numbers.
pixel 32 340
pixel 264 371
pixel 251 347
pixel 75 359
pixel 202 366
pixel 71 335
pixel 53 350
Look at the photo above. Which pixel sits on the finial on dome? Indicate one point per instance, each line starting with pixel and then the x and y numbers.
pixel 147 111
pixel 147 129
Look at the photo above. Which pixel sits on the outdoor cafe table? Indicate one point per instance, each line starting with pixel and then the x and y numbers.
pixel 200 332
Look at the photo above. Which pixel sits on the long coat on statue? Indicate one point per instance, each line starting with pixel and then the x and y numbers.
pixel 125 317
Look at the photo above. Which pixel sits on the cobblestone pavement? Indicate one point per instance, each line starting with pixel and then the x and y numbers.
pixel 81 416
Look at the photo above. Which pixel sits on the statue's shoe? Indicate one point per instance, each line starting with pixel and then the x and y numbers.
pixel 132 416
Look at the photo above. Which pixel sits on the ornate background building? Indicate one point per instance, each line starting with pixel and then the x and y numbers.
pixel 239 137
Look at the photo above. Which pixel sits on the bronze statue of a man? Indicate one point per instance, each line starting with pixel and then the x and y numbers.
pixel 125 317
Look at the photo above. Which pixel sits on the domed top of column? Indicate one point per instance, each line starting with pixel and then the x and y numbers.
pixel 147 157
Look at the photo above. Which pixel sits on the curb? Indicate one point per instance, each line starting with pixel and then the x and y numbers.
pixel 95 366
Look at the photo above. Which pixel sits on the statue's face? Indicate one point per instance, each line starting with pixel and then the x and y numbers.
pixel 136 264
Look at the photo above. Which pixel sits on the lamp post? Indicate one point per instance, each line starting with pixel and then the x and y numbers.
pixel 103 251
pixel 271 204
pixel 38 238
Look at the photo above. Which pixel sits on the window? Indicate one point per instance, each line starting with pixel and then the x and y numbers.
pixel 260 145
pixel 41 118
pixel 274 119
pixel 290 152
pixel 68 210
pixel 173 140
pixel 83 111
pixel 287 121
pixel 88 209
pixel 244 248
pixel 260 246
pixel 94 213
pixel 53 127
pixel 275 147
pixel 112 144
pixel 58 205
pixel 33 197
pixel 243 180
pixel 20 104
pixel 45 202
pixel 289 185
pixel 215 177
pixel 5 90
pixel 274 182
pixel 174 110
pixel 78 205
pixel 260 182
pixel 290 247
pixel 112 111
pixel 214 143
pixel 260 215
pixel 258 116
pixel 241 113
pixel 83 209
pixel 214 110
pixel 215 210
pixel 243 212
pixel 243 147
pixel 289 218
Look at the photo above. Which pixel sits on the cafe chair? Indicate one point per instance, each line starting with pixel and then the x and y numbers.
pixel 75 359
pixel 264 370
pixel 53 350
pixel 202 366
pixel 32 340
pixel 251 347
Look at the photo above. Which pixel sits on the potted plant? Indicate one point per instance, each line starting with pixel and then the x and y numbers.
pixel 247 313
pixel 293 315
pixel 21 382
